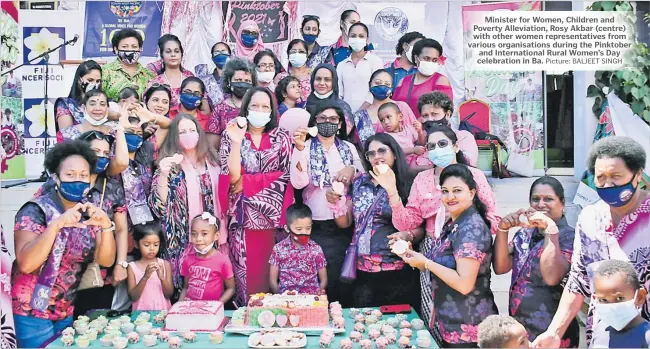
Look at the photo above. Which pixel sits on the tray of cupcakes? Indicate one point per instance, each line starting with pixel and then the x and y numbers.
pixel 277 338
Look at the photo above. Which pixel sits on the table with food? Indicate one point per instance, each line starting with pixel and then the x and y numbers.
pixel 288 320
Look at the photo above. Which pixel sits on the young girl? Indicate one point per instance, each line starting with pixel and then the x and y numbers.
pixel 149 278
pixel 205 269
pixel 407 136
pixel 288 94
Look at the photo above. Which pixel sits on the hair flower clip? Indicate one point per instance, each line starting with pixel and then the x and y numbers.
pixel 209 217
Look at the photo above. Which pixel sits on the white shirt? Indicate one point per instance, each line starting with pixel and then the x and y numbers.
pixel 353 80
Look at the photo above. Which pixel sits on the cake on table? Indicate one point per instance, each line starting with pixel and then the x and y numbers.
pixel 198 316
pixel 289 309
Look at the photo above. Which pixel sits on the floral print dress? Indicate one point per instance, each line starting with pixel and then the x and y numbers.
pixel 7 331
pixel 455 315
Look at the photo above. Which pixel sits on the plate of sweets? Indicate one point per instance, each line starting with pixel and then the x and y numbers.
pixel 276 338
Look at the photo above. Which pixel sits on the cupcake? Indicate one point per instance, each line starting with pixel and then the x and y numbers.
pixel 392 321
pixel 216 337
pixel 120 342
pixel 164 336
pixel 423 333
pixel 106 340
pixel 325 341
pixel 83 318
pixel 335 305
pixel 114 333
pixel 189 337
pixel 102 318
pixel 67 341
pixel 359 327
pixel 144 329
pixel 366 311
pixel 113 328
pixel 366 343
pixel 159 319
pixel 336 312
pixel 400 317
pixel 354 312
pixel 417 324
pixel 328 333
pixel 338 322
pixel 69 331
pixel 391 338
pixel 404 342
pixel 144 315
pixel 78 323
pixel 406 332
pixel 82 342
pixel 360 318
pixel 386 329
pixel 149 340
pixel 377 313
pixel 404 324
pixel 381 342
pixel 127 327
pixel 133 337
pixel 174 342
pixel 155 331
pixel 125 319
pixel 374 334
pixel 346 343
pixel 92 334
pixel 356 336
pixel 371 319
pixel 423 342
pixel 82 328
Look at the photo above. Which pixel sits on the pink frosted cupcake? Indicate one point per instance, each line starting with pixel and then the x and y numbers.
pixel 366 344
pixel 325 341
pixel 360 318
pixel 381 342
pixel 391 338
pixel 174 342
pixel 404 324
pixel 355 336
pixel 406 332
pixel 155 331
pixel 423 342
pixel 386 329
pixel 377 313
pixel 164 336
pixel 374 334
pixel 354 312
pixel 189 337
pixel 359 327
pixel 336 312
pixel 346 343
pixel 133 337
pixel 338 322
pixel 404 342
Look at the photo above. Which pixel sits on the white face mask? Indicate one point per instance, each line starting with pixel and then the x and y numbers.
pixel 320 96
pixel 409 54
pixel 357 44
pixel 205 250
pixel 617 315
pixel 427 68
pixel 265 76
pixel 258 118
pixel 94 122
pixel 297 59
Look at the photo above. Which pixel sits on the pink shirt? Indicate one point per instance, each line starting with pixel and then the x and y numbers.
pixel 408 118
pixel 467 144
pixel 152 297
pixel 205 276
pixel 314 196
pixel 405 138
pixel 425 200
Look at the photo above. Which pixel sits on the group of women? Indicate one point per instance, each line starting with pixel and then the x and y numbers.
pixel 159 144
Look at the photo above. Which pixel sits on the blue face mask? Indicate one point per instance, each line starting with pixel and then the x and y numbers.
pixel 380 92
pixel 133 142
pixel 442 157
pixel 220 60
pixel 309 38
pixel 73 191
pixel 102 164
pixel 190 101
pixel 248 40
pixel 617 196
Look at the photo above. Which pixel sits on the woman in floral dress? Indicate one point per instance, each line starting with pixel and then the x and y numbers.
pixel 68 110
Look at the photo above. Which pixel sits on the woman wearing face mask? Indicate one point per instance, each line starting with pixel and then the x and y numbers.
pixel 316 163
pixel 297 51
pixel 459 262
pixel 316 54
pixel 380 85
pixel 239 76
pixel 403 65
pixel 355 70
pixel 424 204
pixel 267 68
pixel 256 159
pixel 125 71
pixel 325 88
pixel 342 48
pixel 56 236
pixel 248 41
pixel 192 99
pixel 220 54
pixel 539 256
pixel 381 276
pixel 68 110
pixel 427 55
pixel 616 227
pixel 186 184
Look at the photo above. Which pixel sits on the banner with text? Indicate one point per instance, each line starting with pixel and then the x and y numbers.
pixel 516 99
pixel 269 16
pixel 105 18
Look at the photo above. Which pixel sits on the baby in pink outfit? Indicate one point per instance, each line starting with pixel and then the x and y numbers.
pixel 407 136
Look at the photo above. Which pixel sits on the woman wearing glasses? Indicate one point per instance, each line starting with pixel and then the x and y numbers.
pixel 298 68
pixel 382 278
pixel 424 203
pixel 68 110
pixel 248 41
pixel 316 54
pixel 256 159
pixel 221 52
pixel 268 67
pixel 316 163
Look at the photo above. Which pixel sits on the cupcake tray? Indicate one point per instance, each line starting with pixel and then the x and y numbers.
pixel 309 331
pixel 302 344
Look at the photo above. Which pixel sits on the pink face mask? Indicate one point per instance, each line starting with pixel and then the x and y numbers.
pixel 188 140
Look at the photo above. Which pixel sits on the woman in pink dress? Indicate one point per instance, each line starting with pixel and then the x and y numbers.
pixel 7 332
pixel 428 58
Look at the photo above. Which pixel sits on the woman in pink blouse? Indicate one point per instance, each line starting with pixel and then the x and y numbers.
pixel 316 164
pixel 424 203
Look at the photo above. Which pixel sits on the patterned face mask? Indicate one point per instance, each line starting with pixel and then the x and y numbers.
pixel 128 57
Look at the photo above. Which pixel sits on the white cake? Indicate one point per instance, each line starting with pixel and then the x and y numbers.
pixel 196 316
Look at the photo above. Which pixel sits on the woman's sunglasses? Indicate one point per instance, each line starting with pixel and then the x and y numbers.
pixel 371 154
pixel 165 86
pixel 98 135
pixel 443 143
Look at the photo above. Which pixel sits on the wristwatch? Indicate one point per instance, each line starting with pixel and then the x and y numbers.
pixel 123 264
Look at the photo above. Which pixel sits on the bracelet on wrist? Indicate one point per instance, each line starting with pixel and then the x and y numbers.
pixel 426 264
pixel 502 230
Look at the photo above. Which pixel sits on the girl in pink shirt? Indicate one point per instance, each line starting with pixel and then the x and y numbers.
pixel 411 141
pixel 149 278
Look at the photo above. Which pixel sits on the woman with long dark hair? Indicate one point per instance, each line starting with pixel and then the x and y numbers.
pixel 298 68
pixel 381 276
pixel 459 262
pixel 68 110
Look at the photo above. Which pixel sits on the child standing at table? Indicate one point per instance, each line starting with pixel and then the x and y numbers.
pixel 297 261
pixel 410 140
pixel 149 278
pixel 205 269
pixel 502 331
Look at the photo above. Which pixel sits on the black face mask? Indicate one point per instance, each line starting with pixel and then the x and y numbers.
pixel 327 129
pixel 239 89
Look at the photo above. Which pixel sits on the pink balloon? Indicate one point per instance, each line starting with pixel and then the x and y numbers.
pixel 294 119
